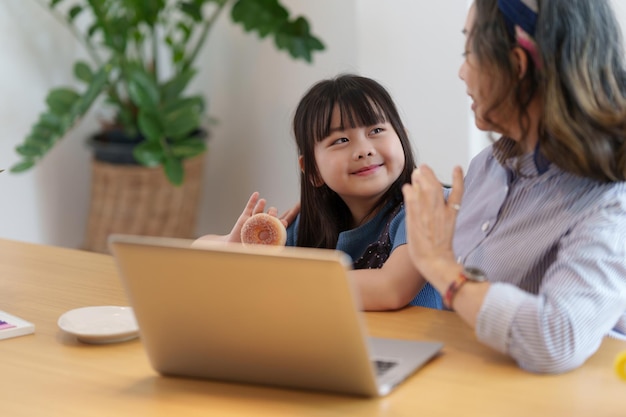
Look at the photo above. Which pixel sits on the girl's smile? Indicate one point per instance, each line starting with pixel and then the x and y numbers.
pixel 368 170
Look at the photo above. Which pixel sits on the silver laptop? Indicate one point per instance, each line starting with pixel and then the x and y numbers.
pixel 263 315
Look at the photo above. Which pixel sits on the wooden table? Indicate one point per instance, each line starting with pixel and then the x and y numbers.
pixel 51 374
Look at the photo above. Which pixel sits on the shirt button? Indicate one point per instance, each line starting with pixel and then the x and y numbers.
pixel 485 226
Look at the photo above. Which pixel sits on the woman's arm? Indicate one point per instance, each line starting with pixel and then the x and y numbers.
pixel 430 222
pixel 581 297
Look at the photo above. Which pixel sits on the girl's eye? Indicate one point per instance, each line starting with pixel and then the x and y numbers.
pixel 377 130
pixel 340 140
pixel 465 54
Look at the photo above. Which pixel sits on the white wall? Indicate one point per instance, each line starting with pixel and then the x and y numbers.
pixel 412 47
pixel 252 149
pixel 48 204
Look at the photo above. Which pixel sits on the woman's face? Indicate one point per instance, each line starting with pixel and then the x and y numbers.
pixel 479 82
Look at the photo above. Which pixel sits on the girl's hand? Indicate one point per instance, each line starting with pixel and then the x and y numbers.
pixel 290 215
pixel 255 205
pixel 430 220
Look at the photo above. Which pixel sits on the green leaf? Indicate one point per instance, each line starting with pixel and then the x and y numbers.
pixel 149 153
pixel 262 16
pixel 65 107
pixel 295 37
pixel 185 30
pixel 61 100
pixel 92 30
pixel 50 120
pixel 83 72
pixel 178 55
pixel 128 119
pixel 269 17
pixel 22 166
pixel 143 90
pixel 174 170
pixel 188 148
pixel 116 31
pixel 97 85
pixel 192 10
pixel 150 126
pixel 28 150
pixel 42 131
pixel 177 84
pixel 74 12
pixel 36 145
pixel 53 3
pixel 147 11
pixel 181 118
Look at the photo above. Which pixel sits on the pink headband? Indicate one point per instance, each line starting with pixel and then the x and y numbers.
pixel 520 17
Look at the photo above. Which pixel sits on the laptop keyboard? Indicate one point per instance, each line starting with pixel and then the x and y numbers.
pixel 382 367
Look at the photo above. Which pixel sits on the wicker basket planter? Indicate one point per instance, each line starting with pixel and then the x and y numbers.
pixel 134 199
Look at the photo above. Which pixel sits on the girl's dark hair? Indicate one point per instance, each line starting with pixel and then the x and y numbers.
pixel 361 102
pixel 582 82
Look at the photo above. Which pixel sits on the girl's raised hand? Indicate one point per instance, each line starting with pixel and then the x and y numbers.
pixel 290 215
pixel 255 205
pixel 430 220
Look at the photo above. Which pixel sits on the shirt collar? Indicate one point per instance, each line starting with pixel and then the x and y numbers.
pixel 531 164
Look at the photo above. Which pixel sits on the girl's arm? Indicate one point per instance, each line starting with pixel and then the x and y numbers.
pixel 391 287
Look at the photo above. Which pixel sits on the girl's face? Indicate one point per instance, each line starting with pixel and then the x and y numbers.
pixel 361 163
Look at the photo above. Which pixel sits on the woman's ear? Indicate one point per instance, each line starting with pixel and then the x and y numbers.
pixel 520 60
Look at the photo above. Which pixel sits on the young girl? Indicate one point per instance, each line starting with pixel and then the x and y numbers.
pixel 354 155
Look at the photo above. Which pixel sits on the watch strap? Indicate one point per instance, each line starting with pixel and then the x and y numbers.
pixel 453 289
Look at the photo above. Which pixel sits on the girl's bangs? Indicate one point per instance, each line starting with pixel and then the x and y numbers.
pixel 356 109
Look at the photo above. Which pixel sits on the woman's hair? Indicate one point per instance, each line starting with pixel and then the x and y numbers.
pixel 361 102
pixel 581 82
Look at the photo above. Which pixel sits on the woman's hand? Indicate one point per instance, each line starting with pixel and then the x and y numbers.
pixel 430 220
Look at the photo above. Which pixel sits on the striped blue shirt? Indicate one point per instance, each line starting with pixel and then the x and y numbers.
pixel 553 245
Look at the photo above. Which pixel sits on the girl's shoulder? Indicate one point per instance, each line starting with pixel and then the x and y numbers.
pixel 292 232
pixel 397 224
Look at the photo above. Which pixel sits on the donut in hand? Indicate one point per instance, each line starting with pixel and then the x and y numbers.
pixel 263 229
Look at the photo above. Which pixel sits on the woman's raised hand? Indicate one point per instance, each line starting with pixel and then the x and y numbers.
pixel 430 220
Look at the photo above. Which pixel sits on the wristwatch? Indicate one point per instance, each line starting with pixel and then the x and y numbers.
pixel 468 273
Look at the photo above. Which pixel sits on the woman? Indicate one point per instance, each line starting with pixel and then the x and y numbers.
pixel 535 259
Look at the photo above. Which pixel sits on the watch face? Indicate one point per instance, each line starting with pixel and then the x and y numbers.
pixel 474 274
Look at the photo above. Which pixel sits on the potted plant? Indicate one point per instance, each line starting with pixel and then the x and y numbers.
pixel 143 55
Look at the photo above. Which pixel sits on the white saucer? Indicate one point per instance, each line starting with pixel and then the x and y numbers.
pixel 100 324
